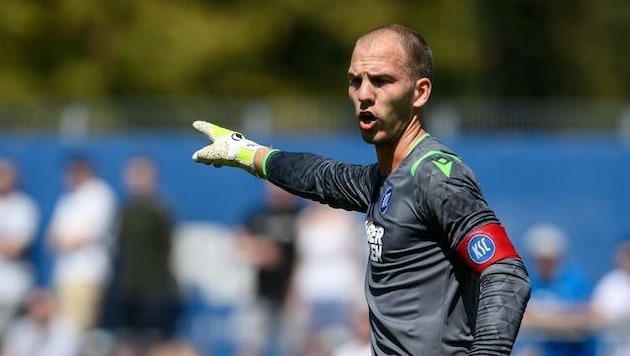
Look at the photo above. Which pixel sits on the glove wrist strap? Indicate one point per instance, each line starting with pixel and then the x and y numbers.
pixel 245 156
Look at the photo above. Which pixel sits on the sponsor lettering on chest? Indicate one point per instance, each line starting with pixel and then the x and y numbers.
pixel 374 235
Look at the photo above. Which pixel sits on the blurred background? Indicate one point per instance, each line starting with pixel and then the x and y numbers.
pixel 112 241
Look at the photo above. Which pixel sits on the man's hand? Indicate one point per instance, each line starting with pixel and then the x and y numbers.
pixel 228 148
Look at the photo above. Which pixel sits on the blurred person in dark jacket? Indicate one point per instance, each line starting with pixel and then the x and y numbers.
pixel 267 240
pixel 145 288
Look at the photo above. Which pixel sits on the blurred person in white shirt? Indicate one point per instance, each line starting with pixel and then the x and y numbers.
pixel 611 304
pixel 359 342
pixel 80 234
pixel 329 273
pixel 19 218
pixel 41 331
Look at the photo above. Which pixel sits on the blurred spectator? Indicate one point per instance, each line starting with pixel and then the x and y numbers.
pixel 611 304
pixel 268 240
pixel 167 348
pixel 557 319
pixel 359 342
pixel 19 218
pixel 80 236
pixel 329 271
pixel 41 331
pixel 146 292
pixel 172 349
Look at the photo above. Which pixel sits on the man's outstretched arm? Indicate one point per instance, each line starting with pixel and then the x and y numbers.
pixel 310 176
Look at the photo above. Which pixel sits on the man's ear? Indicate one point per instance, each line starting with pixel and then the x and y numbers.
pixel 422 92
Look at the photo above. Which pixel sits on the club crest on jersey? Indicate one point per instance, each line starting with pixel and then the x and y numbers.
pixel 386 200
pixel 481 248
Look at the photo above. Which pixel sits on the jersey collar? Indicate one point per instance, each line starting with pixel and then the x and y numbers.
pixel 417 142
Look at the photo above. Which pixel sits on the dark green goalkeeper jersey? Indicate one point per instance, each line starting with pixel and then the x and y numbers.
pixel 432 242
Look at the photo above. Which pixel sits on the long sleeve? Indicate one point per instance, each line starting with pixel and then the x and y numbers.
pixel 504 292
pixel 325 180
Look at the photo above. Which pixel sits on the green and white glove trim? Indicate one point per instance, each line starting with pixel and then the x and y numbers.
pixel 228 148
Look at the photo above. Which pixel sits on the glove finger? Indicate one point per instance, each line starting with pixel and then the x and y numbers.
pixel 205 155
pixel 214 132
pixel 205 128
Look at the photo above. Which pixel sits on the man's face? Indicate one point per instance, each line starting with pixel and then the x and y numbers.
pixel 546 267
pixel 381 88
pixel 7 177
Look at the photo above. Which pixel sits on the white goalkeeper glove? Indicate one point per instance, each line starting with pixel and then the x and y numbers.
pixel 228 148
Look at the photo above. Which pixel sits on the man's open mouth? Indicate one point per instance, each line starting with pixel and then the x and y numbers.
pixel 366 117
pixel 367 121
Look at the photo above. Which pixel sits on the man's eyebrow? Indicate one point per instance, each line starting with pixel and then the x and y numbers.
pixel 372 74
pixel 386 76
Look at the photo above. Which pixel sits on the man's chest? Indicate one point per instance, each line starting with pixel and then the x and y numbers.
pixel 394 223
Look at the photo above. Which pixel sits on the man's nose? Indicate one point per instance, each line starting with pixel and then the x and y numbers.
pixel 365 94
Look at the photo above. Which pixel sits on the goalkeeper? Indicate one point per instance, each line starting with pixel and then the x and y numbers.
pixel 443 276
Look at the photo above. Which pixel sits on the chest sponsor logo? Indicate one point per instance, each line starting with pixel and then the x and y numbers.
pixel 386 200
pixel 481 248
pixel 374 234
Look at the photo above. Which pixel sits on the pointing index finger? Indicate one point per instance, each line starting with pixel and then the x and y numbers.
pixel 205 128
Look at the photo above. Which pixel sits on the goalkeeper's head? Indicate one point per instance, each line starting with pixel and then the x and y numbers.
pixel 389 83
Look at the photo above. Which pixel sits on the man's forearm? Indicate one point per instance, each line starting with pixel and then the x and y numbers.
pixel 314 177
pixel 504 292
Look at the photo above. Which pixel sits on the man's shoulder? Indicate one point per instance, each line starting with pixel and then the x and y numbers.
pixel 614 277
pixel 94 189
pixel 432 159
pixel 18 200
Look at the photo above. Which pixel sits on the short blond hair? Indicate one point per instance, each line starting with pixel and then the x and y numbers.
pixel 419 55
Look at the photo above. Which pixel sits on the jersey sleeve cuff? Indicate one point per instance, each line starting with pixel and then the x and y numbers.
pixel 264 162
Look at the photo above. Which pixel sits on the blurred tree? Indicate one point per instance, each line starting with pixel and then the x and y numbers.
pixel 545 48
pixel 520 56
pixel 75 49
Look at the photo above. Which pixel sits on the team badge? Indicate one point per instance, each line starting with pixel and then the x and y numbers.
pixel 386 200
pixel 481 248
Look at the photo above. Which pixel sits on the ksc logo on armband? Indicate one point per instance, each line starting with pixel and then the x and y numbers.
pixel 481 248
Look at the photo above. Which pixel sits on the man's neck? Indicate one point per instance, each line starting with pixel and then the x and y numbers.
pixel 390 156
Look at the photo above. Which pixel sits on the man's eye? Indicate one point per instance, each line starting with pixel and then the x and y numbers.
pixel 354 82
pixel 379 82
